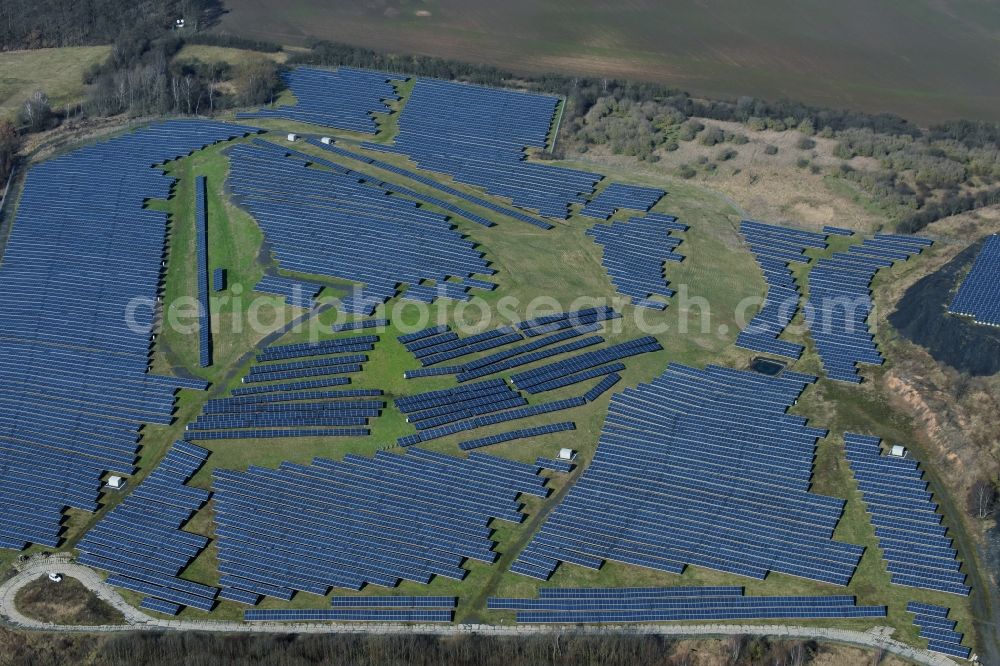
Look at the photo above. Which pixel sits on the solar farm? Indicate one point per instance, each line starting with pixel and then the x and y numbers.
pixel 382 451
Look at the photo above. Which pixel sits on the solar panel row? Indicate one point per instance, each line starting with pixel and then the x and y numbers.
pixel 571 319
pixel 635 253
pixel 344 98
pixel 775 248
pixel 141 543
pixel 979 296
pixel 321 348
pixel 437 185
pixel 264 409
pixel 320 221
pixel 219 279
pixel 362 520
pixel 75 385
pixel 394 615
pixel 393 602
pixel 201 251
pixel 511 435
pixel 478 136
pixel 913 541
pixel 618 196
pixel 554 464
pixel 939 632
pixel 359 325
pixel 547 373
pixel 702 467
pixel 840 302
pixel 611 606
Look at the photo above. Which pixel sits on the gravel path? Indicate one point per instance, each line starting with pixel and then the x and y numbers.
pixel 136 620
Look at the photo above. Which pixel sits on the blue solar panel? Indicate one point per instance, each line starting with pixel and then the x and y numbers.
pixel 359 325
pixel 219 279
pixel 363 520
pixel 914 543
pixel 635 254
pixel 140 541
pixel 979 296
pixel 160 606
pixel 437 185
pixel 673 452
pixel 394 615
pixel 323 221
pixel 478 136
pixel 394 602
pixel 201 250
pixel 511 435
pixel 75 385
pixel 684 604
pixel 775 249
pixel 555 465
pixel 344 98
pixel 840 302
pixel 618 196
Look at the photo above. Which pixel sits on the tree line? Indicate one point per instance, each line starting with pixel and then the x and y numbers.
pixel 923 174
pixel 209 649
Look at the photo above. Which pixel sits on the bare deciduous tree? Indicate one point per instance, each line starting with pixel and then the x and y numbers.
pixel 982 498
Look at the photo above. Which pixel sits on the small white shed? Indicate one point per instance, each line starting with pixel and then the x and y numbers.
pixel 292 136
pixel 567 454
pixel 115 483
pixel 326 140
pixel 897 451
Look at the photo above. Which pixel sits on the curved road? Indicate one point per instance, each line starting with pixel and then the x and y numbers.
pixel 136 620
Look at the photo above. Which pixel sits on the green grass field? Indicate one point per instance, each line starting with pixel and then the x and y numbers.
pixel 59 72
pixel 871 56
pixel 563 264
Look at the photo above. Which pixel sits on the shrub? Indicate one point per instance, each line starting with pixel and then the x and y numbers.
pixel 805 143
pixel 712 136
pixel 727 154
pixel 686 171
pixel 671 146
pixel 770 149
pixel 802 163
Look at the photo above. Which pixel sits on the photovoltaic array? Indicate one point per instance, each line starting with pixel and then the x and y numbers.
pixel 700 467
pixel 366 609
pixel 635 253
pixel 478 136
pixel 435 184
pixel 344 98
pixel 674 604
pixel 322 222
pixel 289 392
pixel 74 381
pixel 938 629
pixel 775 249
pixel 201 250
pixel 914 543
pixel 840 302
pixel 360 521
pixel 979 295
pixel 349 615
pixel 140 542
pixel 618 196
